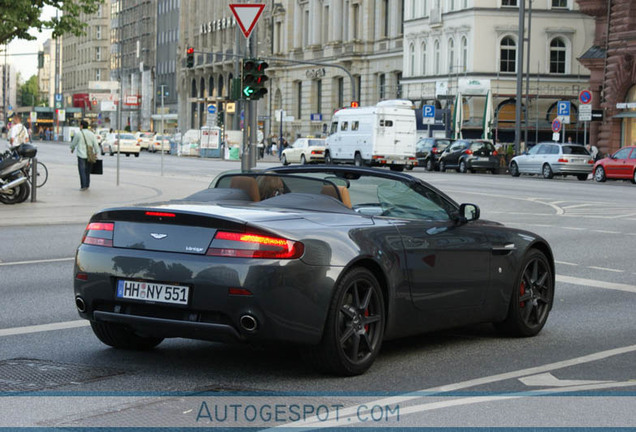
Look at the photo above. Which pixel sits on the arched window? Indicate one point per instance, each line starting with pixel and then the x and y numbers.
pixel 423 54
pixel 412 59
pixel 437 59
pixel 451 56
pixel 211 86
pixel 507 55
pixel 464 65
pixel 557 56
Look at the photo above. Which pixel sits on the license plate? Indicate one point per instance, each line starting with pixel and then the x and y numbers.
pixel 153 292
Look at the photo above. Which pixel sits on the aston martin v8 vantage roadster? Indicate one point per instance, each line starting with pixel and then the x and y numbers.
pixel 334 259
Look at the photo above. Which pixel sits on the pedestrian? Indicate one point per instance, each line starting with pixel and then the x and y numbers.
pixel 18 133
pixel 86 143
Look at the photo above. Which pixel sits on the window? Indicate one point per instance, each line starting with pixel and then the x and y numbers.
pixel 382 86
pixel 509 3
pixel 386 123
pixel 557 56
pixel 385 12
pixel 451 56
pixel 319 96
pixel 356 22
pixel 299 101
pixel 355 125
pixel 560 4
pixel 306 29
pixel 412 59
pixel 464 48
pixel 423 54
pixel 508 54
pixel 344 126
pixel 98 32
pixel 340 94
pixel 437 65
pixel 98 53
pixel 98 75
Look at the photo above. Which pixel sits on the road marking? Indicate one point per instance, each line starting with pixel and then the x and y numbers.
pixel 355 411
pixel 36 261
pixel 607 269
pixel 596 283
pixel 43 327
pixel 566 263
pixel 606 232
pixel 575 228
pixel 549 380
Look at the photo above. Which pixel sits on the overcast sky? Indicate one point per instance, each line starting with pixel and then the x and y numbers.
pixel 27 65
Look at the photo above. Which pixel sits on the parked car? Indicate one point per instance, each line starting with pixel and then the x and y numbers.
pixel 333 259
pixel 159 143
pixel 428 151
pixel 304 151
pixel 469 155
pixel 126 142
pixel 100 135
pixel 144 139
pixel 620 165
pixel 550 159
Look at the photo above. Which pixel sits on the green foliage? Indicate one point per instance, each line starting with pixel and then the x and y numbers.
pixel 17 17
pixel 30 92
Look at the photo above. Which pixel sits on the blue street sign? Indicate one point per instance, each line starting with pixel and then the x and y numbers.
pixel 211 109
pixel 58 97
pixel 428 114
pixel 315 117
pixel 563 108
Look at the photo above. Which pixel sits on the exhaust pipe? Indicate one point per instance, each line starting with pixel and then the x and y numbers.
pixel 14 183
pixel 248 323
pixel 80 304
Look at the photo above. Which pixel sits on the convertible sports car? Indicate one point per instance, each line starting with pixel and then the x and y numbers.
pixel 335 259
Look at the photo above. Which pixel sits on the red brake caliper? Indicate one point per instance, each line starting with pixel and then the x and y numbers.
pixel 522 291
pixel 366 314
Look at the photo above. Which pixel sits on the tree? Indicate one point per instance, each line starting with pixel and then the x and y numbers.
pixel 30 92
pixel 17 17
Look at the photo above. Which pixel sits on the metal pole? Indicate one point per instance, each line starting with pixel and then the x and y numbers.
pixel 162 127
pixel 121 80
pixel 522 13
pixel 525 119
pixel 245 157
pixel 34 179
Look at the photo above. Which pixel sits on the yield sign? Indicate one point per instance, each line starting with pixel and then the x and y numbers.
pixel 247 15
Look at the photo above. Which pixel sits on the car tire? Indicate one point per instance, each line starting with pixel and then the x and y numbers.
pixel 328 160
pixel 284 160
pixel 354 328
pixel 119 336
pixel 547 171
pixel 127 154
pixel 514 169
pixel 532 297
pixel 581 177
pixel 463 167
pixel 599 174
pixel 303 161
pixel 442 166
pixel 430 166
pixel 112 154
pixel 357 160
pixel 634 177
pixel 398 168
pixel 136 154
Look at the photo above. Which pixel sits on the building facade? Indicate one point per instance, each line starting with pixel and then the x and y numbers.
pixel 133 50
pixel 9 89
pixel 166 107
pixel 85 60
pixel 47 73
pixel 611 59
pixel 470 47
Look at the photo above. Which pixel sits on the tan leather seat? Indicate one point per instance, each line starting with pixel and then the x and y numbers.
pixel 248 185
pixel 270 186
pixel 342 190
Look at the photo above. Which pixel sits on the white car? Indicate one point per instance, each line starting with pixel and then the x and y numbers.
pixel 159 143
pixel 126 142
pixel 304 151
pixel 144 139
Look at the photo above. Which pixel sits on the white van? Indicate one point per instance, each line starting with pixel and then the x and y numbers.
pixel 381 135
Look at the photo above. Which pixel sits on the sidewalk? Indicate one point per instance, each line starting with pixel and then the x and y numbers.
pixel 60 201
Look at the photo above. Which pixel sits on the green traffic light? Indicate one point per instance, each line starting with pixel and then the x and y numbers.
pixel 247 91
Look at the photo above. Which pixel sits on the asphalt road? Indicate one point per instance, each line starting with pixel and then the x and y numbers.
pixel 577 372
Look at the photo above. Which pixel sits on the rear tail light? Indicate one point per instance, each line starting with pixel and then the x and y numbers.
pixel 434 150
pixel 590 161
pixel 494 153
pixel 317 152
pixel 99 234
pixel 563 160
pixel 246 245
pixel 468 152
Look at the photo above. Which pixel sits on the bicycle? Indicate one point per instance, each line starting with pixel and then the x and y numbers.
pixel 42 174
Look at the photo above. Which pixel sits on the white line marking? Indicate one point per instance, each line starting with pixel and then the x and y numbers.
pixel 36 261
pixel 44 327
pixel 566 263
pixel 549 380
pixel 606 269
pixel 606 232
pixel 314 422
pixel 574 228
pixel 596 283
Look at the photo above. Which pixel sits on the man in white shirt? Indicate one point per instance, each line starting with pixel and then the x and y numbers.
pixel 18 133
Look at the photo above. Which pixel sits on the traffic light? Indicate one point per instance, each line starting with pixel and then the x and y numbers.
pixel 254 79
pixel 190 57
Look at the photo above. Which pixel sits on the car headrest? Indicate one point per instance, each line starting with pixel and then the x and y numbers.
pixel 247 184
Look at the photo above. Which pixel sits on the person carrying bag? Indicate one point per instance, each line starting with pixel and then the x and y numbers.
pixel 86 144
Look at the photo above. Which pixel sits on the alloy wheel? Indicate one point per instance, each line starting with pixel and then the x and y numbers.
pixel 535 293
pixel 599 174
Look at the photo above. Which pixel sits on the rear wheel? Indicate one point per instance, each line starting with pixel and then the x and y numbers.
pixel 547 172
pixel 599 174
pixel 581 177
pixel 284 160
pixel 430 166
pixel 399 168
pixel 442 166
pixel 16 194
pixel 355 326
pixel 303 161
pixel 531 298
pixel 137 154
pixel 357 160
pixel 122 337
pixel 634 177
pixel 462 167
pixel 514 169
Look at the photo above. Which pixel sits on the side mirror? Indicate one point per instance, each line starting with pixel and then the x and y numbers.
pixel 468 212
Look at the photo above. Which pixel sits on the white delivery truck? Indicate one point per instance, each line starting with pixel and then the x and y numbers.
pixel 381 135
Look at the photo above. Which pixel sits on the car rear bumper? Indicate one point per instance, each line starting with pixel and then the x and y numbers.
pixel 561 168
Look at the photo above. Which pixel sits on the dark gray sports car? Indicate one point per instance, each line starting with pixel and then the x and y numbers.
pixel 335 259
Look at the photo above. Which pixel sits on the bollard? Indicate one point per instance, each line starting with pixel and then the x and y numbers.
pixel 34 179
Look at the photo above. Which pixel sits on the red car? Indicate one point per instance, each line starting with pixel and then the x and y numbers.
pixel 619 166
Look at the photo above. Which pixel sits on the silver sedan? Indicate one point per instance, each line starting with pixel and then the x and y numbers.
pixel 553 159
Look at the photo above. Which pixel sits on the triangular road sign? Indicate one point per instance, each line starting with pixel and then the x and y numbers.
pixel 247 15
